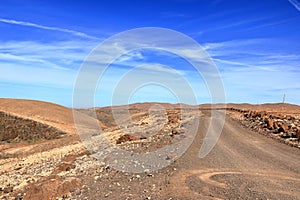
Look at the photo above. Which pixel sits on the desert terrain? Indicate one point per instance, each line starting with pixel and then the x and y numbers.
pixel 256 157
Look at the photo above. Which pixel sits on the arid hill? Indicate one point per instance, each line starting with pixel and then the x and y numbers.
pixel 17 129
pixel 43 112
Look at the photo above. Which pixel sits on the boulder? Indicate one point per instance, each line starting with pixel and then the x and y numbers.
pixel 298 134
pixel 270 123
pixel 283 128
pixel 276 125
pixel 262 114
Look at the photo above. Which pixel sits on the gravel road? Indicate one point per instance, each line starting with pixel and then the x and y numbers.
pixel 243 165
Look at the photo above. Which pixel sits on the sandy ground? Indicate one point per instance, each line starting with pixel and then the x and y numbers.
pixel 242 165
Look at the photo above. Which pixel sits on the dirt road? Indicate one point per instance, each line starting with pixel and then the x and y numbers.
pixel 243 165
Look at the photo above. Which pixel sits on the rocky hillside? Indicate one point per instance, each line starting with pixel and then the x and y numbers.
pixel 15 129
pixel 44 112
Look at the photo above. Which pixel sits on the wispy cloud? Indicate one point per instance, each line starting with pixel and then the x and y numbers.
pixel 22 23
pixel 43 71
pixel 63 53
pixel 129 58
pixel 253 54
pixel 47 64
pixel 264 25
pixel 249 64
pixel 6 57
pixel 295 3
pixel 160 69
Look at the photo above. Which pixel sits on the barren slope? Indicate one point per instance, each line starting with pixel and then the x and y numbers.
pixel 44 112
pixel 17 129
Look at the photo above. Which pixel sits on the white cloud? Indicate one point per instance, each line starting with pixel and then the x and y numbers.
pixel 52 64
pixel 160 69
pixel 5 57
pixel 231 62
pixel 254 53
pixel 256 70
pixel 65 54
pixel 128 59
pixel 295 3
pixel 22 23
pixel 244 68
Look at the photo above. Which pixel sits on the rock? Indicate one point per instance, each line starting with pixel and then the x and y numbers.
pixel 262 114
pixel 107 194
pixel 142 137
pixel 270 123
pixel 276 125
pixel 298 134
pixel 8 189
pixel 293 139
pixel 19 197
pixel 176 131
pixel 126 138
pixel 293 134
pixel 283 128
pixel 285 135
pixel 150 175
pixel 66 167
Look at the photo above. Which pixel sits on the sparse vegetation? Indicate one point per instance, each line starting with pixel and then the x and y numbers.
pixel 15 129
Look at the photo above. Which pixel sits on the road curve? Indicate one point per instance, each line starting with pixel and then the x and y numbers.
pixel 242 165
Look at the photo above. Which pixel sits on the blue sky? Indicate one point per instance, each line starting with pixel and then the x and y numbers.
pixel 255 45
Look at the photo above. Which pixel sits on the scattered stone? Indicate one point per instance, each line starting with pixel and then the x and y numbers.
pixel 107 194
pixel 143 137
pixel 66 167
pixel 177 131
pixel 19 196
pixel 8 189
pixel 150 175
pixel 126 138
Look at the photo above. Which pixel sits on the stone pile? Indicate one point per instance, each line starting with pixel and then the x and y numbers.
pixel 285 128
